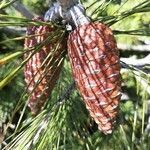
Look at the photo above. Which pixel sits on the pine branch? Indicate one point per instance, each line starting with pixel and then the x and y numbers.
pixel 139 48
pixel 65 4
pixel 23 10
pixel 137 62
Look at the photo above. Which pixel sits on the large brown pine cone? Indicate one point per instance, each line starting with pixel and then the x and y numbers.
pixel 95 64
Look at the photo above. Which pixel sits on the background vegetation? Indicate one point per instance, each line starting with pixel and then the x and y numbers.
pixel 65 123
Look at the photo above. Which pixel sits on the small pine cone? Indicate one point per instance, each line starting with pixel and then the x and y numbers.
pixel 41 73
pixel 95 65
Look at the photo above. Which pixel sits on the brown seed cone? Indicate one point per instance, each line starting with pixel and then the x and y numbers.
pixel 41 73
pixel 95 65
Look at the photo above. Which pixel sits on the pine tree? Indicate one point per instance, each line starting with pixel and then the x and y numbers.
pixel 64 122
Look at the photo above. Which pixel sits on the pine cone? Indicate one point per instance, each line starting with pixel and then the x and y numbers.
pixel 41 73
pixel 95 65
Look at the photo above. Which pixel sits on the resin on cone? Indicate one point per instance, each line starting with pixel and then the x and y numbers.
pixel 43 68
pixel 95 64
